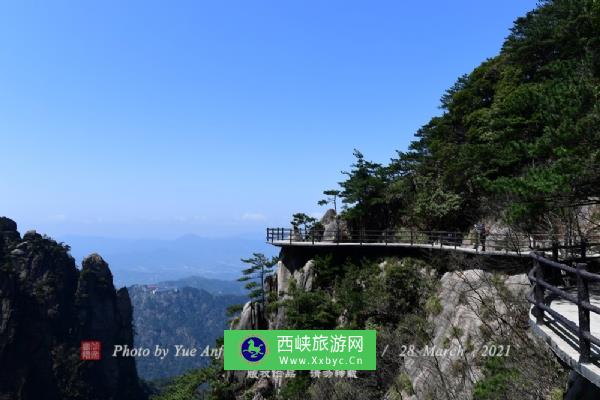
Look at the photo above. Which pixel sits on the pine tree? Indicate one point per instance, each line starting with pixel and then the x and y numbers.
pixel 259 268
pixel 301 219
pixel 332 196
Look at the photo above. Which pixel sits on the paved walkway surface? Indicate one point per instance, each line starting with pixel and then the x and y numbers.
pixel 435 246
pixel 564 343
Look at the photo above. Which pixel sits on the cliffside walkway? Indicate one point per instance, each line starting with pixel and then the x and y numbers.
pixel 510 243
pixel 565 294
pixel 566 312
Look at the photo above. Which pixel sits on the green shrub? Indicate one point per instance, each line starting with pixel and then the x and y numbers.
pixel 327 272
pixel 296 388
pixel 310 310
pixel 495 383
pixel 433 306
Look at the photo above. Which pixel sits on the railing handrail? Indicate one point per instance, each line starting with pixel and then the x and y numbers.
pixel 540 275
pixel 511 241
pixel 546 236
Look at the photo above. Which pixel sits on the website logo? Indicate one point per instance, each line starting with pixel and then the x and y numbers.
pixel 253 349
pixel 287 350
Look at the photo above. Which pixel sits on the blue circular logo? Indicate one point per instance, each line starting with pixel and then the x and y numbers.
pixel 253 349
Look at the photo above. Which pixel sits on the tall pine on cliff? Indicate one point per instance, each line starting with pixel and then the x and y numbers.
pixel 519 136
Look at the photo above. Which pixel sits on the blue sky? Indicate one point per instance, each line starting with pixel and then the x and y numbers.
pixel 154 119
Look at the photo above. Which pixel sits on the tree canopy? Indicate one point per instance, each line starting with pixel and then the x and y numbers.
pixel 519 136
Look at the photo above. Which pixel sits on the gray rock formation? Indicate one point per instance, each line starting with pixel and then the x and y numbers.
pixel 47 307
pixel 8 233
pixel 303 276
pixel 334 228
pixel 466 295
pixel 250 317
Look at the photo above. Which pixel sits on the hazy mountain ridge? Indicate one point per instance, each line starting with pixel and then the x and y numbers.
pixel 151 260
pixel 213 286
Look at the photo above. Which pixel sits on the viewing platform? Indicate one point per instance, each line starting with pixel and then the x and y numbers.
pixel 506 244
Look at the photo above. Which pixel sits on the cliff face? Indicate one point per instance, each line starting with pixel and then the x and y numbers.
pixel 449 311
pixel 47 307
pixel 474 309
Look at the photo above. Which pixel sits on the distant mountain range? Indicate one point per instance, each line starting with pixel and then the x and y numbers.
pixel 151 261
pixel 213 286
pixel 169 314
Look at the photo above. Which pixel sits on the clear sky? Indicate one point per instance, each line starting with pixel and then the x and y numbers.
pixel 156 119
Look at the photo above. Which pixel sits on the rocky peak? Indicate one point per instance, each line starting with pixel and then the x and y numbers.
pixel 8 232
pixel 7 225
pixel 95 264
pixel 31 236
pixel 47 307
pixel 328 217
pixel 334 227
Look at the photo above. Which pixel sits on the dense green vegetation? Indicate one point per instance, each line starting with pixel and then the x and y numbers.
pixel 390 295
pixel 519 136
pixel 364 293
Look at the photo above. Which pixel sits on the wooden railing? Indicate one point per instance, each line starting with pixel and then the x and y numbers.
pixel 546 276
pixel 505 242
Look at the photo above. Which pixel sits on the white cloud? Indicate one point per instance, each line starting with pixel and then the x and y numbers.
pixel 253 217
pixel 57 217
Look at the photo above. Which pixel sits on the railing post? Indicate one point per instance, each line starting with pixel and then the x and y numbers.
pixel 556 273
pixel 312 235
pixel 583 296
pixel 411 237
pixel 538 291
pixel 583 249
pixel 385 236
